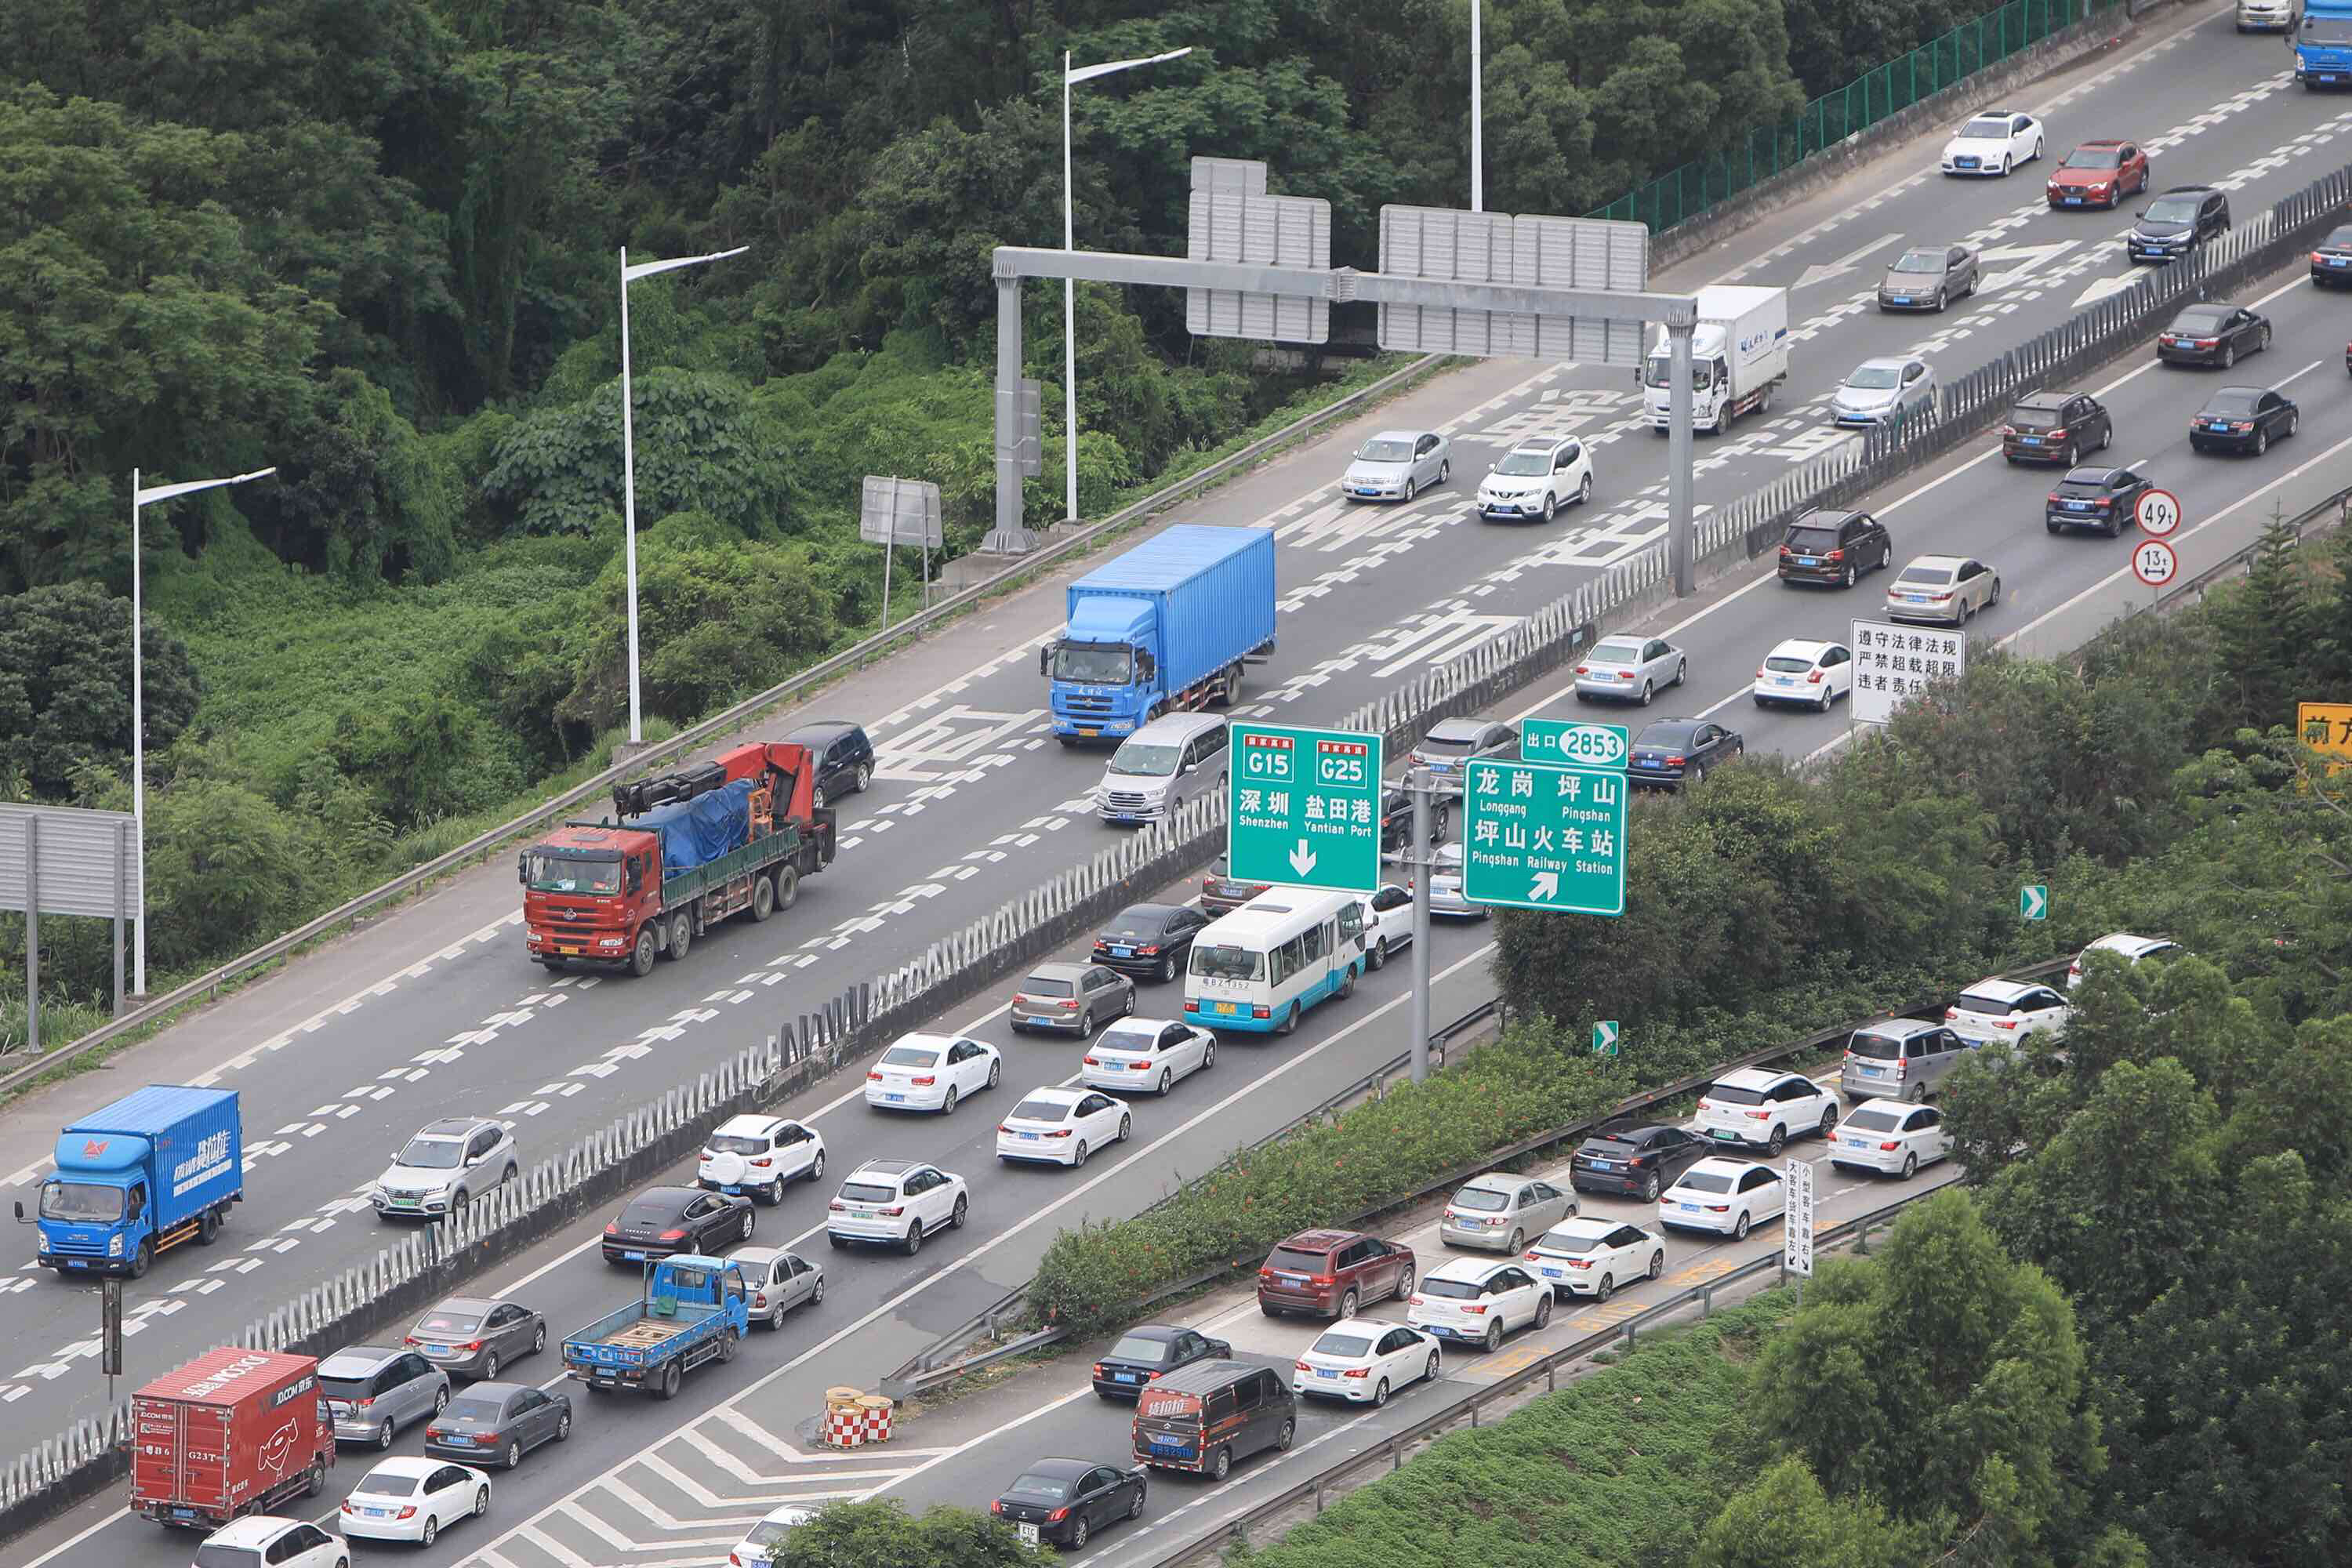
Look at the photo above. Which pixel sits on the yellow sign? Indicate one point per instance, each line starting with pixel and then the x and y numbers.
pixel 2325 728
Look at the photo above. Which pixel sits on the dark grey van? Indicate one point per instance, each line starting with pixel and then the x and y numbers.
pixel 1204 1416
pixel 844 757
pixel 1901 1058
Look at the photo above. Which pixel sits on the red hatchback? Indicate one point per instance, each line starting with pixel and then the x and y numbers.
pixel 2099 174
pixel 1331 1273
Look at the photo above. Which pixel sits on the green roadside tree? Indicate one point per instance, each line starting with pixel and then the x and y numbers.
pixel 1783 1519
pixel 882 1534
pixel 64 684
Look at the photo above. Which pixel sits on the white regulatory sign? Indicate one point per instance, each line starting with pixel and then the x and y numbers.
pixel 1797 1219
pixel 2157 514
pixel 1894 662
pixel 2154 562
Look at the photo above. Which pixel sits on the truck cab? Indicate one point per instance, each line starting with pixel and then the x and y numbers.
pixel 2322 41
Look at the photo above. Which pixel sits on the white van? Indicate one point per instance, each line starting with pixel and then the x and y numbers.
pixel 1266 963
pixel 1170 762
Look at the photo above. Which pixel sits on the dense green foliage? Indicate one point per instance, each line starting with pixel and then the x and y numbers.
pixel 881 1534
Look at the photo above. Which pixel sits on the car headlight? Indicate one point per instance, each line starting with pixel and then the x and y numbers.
pixel 45 1241
pixel 114 1245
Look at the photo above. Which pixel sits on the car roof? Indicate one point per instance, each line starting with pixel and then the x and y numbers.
pixel 1403 435
pixel 1179 726
pixel 2089 476
pixel 454 1127
pixel 938 1042
pixel 885 1168
pixel 2221 391
pixel 2100 142
pixel 755 1254
pixel 1058 970
pixel 1470 1269
pixel 1493 1181
pixel 253 1530
pixel 1321 1240
pixel 1057 1465
pixel 1540 443
pixel 2006 990
pixel 1667 729
pixel 1798 647
pixel 414 1465
pixel 1583 1225
pixel 1824 517
pixel 1949 563
pixel 502 1392
pixel 1883 362
pixel 2125 941
pixel 831 729
pixel 747 1124
pixel 1893 1106
pixel 2189 191
pixel 1625 1132
pixel 1357 1325
pixel 365 1355
pixel 2042 400
pixel 789 1513
pixel 1718 1165
pixel 1148 911
pixel 1755 1078
pixel 457 1304
pixel 1457 729
pixel 1056 1094
pixel 1163 1332
pixel 1897 1028
pixel 664 1194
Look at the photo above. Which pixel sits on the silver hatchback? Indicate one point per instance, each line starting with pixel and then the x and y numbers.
pixel 372 1392
pixel 1072 996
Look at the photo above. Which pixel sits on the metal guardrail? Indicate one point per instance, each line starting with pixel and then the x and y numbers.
pixel 857 653
pixel 1392 1450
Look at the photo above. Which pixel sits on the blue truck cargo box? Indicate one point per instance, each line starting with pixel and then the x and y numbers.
pixel 697 832
pixel 1197 597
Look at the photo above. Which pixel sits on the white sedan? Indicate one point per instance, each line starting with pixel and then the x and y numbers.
pixel 1592 1256
pixel 1813 674
pixel 414 1500
pixel 1062 1126
pixel 1726 1197
pixel 1891 1137
pixel 764 1546
pixel 1994 143
pixel 1363 1360
pixel 931 1072
pixel 1147 1053
pixel 1997 1009
pixel 1477 1301
pixel 1388 924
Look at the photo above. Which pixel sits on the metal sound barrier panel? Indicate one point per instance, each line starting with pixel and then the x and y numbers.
pixel 1530 250
pixel 1235 220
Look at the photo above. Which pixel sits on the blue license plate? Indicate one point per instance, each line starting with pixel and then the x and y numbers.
pixel 633 1257
pixel 2031 440
pixel 1128 1377
pixel 1325 1372
pixel 1874 1072
pixel 1554 1273
pixel 2217 425
pixel 1032 1137
pixel 1652 762
pixel 2073 201
pixel 895 1099
pixel 2339 261
pixel 2078 506
pixel 1914 598
pixel 1903 298
pixel 1122 953
pixel 1688 1208
pixel 732 1189
pixel 1168 1445
pixel 436 1349
pixel 1605 1164
pixel 1807 560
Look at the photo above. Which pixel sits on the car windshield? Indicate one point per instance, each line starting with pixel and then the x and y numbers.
pixel 1873 1120
pixel 769 1532
pixel 1732 1094
pixel 388 1483
pixel 1666 737
pixel 1878 1047
pixel 2328 29
pixel 650 1211
pixel 1386 451
pixel 1614 651
pixel 468 1408
pixel 1569 1241
pixel 1926 574
pixel 1813 541
pixel 911 1057
pixel 448 1322
pixel 1348 1345
pixel 2234 400
pixel 1610 1148
pixel 2094 158
pixel 2200 320
pixel 1523 465
pixel 1040 1110
pixel 1042 985
pixel 729 1144
pixel 1705 1182
pixel 1988 127
pixel 2172 209
pixel 1445 746
pixel 344 1389
pixel 1875 377
pixel 573 874
pixel 1146 759
pixel 1449 1289
pixel 867 1193
pixel 1788 663
pixel 1220 961
pixel 1144 921
pixel 1135 1347
pixel 1096 664
pixel 1978 1002
pixel 1290 1257
pixel 433 1154
pixel 2340 240
pixel 1921 261
pixel 1482 1200
pixel 80 1201
pixel 1036 1484
pixel 1128 1040
pixel 2032 418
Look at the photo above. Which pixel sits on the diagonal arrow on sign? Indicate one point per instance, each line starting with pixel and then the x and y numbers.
pixel 1824 271
pixel 1547 885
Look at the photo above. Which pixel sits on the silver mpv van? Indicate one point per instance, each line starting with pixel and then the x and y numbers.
pixel 1901 1058
pixel 1174 760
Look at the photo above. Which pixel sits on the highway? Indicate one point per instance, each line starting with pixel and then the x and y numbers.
pixel 436 1012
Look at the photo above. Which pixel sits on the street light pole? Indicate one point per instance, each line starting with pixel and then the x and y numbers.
pixel 629 453
pixel 138 498
pixel 1069 284
pixel 1477 113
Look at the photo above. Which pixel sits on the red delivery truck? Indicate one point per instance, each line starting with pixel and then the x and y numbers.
pixel 233 1432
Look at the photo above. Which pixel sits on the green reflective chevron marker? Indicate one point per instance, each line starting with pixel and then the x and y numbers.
pixel 2033 901
pixel 1604 1037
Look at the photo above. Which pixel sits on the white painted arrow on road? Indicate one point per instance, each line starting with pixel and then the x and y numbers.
pixel 1844 264
pixel 1302 860
pixel 1547 886
pixel 2101 288
pixel 2023 259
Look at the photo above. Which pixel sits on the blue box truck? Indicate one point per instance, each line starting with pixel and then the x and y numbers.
pixel 1167 626
pixel 154 1168
pixel 2322 41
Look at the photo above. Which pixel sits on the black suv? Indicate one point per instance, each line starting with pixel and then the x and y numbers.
pixel 1834 547
pixel 1635 1160
pixel 844 757
pixel 2055 427
pixel 1396 821
pixel 2104 499
pixel 2176 223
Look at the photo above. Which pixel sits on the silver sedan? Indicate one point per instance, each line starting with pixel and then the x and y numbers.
pixel 1629 668
pixel 1397 465
pixel 780 1280
pixel 1445 885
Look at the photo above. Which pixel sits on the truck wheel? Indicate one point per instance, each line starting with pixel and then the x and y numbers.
pixel 209 1228
pixel 729 1344
pixel 142 1258
pixel 681 934
pixel 764 898
pixel 641 961
pixel 668 1389
pixel 788 886
pixel 315 1480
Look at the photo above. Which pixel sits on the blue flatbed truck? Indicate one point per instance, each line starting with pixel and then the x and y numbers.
pixel 692 1310
pixel 158 1167
pixel 1168 625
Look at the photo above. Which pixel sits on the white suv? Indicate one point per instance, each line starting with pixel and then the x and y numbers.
pixel 896 1203
pixel 2132 948
pixel 1476 1301
pixel 758 1154
pixel 1536 479
pixel 1891 1137
pixel 1765 1107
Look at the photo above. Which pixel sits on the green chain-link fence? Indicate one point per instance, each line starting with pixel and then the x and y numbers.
pixel 1687 192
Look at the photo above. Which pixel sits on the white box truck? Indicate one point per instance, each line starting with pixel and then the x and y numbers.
pixel 1739 355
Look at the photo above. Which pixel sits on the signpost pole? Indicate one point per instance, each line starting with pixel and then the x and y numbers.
pixel 1422 863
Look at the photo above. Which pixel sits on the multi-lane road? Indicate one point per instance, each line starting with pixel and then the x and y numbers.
pixel 436 1011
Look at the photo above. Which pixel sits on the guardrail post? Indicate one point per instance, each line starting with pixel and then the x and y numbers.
pixel 1705 1301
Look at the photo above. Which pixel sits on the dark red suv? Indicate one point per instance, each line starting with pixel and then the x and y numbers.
pixel 1331 1273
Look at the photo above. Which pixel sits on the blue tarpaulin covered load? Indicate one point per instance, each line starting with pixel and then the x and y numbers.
pixel 698 831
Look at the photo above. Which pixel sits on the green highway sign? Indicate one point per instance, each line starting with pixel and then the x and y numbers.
pixel 1306 808
pixel 1537 836
pixel 1577 745
pixel 2033 901
pixel 1604 1037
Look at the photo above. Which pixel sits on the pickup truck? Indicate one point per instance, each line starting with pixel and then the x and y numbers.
pixel 692 1310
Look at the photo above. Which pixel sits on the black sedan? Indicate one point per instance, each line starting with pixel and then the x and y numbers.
pixel 1676 752
pixel 2103 499
pixel 1152 939
pixel 1396 821
pixel 497 1424
pixel 662 1221
pixel 2243 419
pixel 1064 1502
pixel 473 1338
pixel 1149 1351
pixel 2219 334
pixel 2331 262
pixel 1634 1160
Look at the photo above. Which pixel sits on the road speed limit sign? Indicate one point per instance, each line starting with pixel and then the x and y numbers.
pixel 2159 514
pixel 2154 562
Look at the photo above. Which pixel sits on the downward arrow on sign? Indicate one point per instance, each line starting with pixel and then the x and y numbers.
pixel 1302 860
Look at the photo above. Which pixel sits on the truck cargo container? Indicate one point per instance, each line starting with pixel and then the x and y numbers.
pixel 234 1432
pixel 680 853
pixel 692 1310
pixel 1739 357
pixel 1167 626
pixel 158 1167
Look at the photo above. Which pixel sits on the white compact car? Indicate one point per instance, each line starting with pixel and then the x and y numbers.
pixel 1884 391
pixel 1062 1126
pixel 1765 1107
pixel 1892 1138
pixel 264 1540
pixel 1476 1301
pixel 1812 674
pixel 758 1154
pixel 1363 1360
pixel 1997 1009
pixel 1147 1054
pixel 1536 479
pixel 896 1203
pixel 1726 1197
pixel 414 1500
pixel 763 1547
pixel 2132 948
pixel 1397 465
pixel 1993 143
pixel 1592 1255
pixel 931 1072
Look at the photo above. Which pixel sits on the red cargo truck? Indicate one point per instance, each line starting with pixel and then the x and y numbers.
pixel 233 1432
